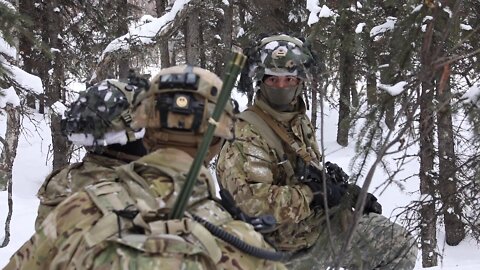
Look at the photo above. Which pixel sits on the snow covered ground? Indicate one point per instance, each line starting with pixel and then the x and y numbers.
pixel 31 166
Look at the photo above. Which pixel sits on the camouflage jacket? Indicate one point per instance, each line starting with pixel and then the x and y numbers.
pixel 250 169
pixel 59 184
pixel 117 224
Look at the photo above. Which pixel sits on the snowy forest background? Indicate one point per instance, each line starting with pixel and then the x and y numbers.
pixel 396 85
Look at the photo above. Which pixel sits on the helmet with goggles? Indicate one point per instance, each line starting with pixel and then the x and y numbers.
pixel 177 105
pixel 101 116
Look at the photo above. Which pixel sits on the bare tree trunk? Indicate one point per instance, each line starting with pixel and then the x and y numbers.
pixel 315 105
pixel 26 46
pixel 226 24
pixel 192 39
pixel 447 181
pixel 123 63
pixel 161 6
pixel 54 81
pixel 428 219
pixel 201 44
pixel 6 162
pixel 347 77
pixel 371 61
pixel 387 100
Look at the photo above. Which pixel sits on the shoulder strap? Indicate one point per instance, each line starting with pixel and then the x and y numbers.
pixel 272 139
pixel 283 134
pixel 107 196
pixel 111 196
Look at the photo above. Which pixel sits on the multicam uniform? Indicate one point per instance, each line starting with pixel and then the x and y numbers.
pixel 63 183
pixel 117 224
pixel 251 170
pixel 258 168
pixel 248 168
pixel 99 120
pixel 122 221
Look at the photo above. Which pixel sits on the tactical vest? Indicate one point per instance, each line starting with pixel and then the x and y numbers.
pixel 275 135
pixel 131 203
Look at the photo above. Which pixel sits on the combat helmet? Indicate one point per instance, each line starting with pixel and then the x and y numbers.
pixel 177 106
pixel 281 55
pixel 101 116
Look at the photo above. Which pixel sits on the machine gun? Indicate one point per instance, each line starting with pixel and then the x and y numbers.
pixel 336 179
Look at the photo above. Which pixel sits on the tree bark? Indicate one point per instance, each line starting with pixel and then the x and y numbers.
pixel 428 218
pixel 371 60
pixel 161 6
pixel 387 76
pixel 6 162
pixel 26 48
pixel 192 39
pixel 53 77
pixel 315 86
pixel 347 75
pixel 123 63
pixel 447 181
pixel 227 28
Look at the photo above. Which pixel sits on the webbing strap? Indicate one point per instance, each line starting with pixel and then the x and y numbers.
pixel 103 229
pixel 105 196
pixel 283 134
pixel 272 139
pixel 181 227
pixel 111 196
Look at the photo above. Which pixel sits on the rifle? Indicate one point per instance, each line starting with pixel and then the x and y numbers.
pixel 336 178
pixel 233 69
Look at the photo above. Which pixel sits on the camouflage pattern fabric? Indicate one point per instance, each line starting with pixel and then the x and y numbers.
pixel 103 108
pixel 83 232
pixel 281 55
pixel 61 184
pixel 59 243
pixel 249 168
pixel 378 243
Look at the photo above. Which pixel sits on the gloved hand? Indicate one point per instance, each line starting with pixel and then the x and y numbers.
pixel 334 192
pixel 371 205
pixel 335 173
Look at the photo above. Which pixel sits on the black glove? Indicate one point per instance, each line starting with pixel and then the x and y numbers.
pixel 335 193
pixel 335 173
pixel 371 205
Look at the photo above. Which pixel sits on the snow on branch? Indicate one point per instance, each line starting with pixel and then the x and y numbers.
pixel 316 12
pixel 24 79
pixel 8 96
pixel 473 95
pixel 389 25
pixel 395 89
pixel 144 35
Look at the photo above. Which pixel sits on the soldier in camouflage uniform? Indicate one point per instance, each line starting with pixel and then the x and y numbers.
pixel 85 125
pixel 122 222
pixel 261 168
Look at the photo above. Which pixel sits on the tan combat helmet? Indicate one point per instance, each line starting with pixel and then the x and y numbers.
pixel 176 108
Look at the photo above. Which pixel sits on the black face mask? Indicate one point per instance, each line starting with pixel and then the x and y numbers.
pixel 281 99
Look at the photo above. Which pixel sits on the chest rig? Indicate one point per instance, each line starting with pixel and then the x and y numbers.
pixel 278 138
